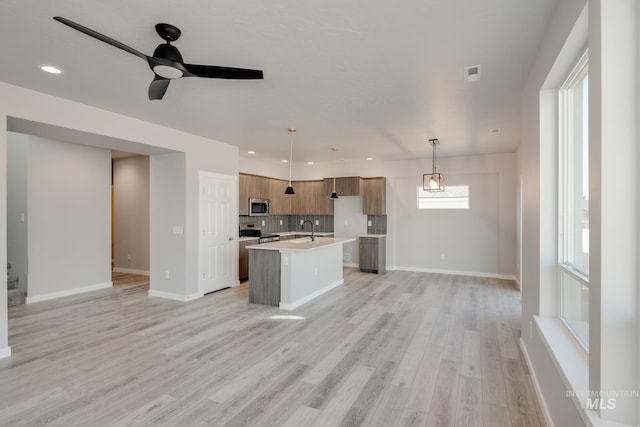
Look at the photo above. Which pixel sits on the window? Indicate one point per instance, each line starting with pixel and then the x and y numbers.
pixel 453 197
pixel 574 201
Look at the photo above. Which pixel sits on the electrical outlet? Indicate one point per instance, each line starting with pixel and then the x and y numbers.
pixel 442 256
pixel 317 222
pixel 129 257
pixel 280 222
pixel 167 275
pixel 315 271
pixel 369 223
pixel 263 222
pixel 301 221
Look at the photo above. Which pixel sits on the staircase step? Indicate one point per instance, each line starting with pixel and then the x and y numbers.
pixel 12 281
pixel 15 297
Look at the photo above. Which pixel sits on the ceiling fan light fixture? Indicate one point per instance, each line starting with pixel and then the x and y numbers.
pixel 167 72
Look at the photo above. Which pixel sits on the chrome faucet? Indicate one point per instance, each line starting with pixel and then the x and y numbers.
pixel 313 236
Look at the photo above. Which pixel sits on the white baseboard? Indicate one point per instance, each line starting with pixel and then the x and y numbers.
pixel 172 296
pixel 68 292
pixel 536 385
pixel 5 352
pixel 456 272
pixel 301 301
pixel 350 264
pixel 130 271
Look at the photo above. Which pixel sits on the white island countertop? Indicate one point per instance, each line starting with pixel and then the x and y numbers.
pixel 303 244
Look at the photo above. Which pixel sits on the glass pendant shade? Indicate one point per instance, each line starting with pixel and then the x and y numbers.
pixel 433 182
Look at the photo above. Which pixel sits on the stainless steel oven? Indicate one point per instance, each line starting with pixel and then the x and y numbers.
pixel 258 207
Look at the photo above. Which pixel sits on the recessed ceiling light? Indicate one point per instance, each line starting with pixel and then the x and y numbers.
pixel 369 158
pixel 251 152
pixel 51 69
pixel 309 163
pixel 284 161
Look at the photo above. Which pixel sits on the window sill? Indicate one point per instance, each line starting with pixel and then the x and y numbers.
pixel 570 358
pixel 572 362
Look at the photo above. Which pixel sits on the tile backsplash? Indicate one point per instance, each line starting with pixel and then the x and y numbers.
pixel 378 224
pixel 281 223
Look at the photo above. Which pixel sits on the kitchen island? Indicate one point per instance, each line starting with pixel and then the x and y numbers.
pixel 289 273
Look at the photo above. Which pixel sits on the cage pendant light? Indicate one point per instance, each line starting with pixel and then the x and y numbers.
pixel 289 189
pixel 334 195
pixel 433 181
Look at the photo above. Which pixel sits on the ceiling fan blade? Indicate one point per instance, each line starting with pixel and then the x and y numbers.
pixel 215 72
pixel 101 37
pixel 158 87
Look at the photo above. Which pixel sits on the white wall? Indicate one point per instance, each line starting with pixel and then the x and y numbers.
pixel 168 200
pixel 484 238
pixel 611 28
pixel 17 152
pixel 131 214
pixel 348 221
pixel 69 218
pixel 111 130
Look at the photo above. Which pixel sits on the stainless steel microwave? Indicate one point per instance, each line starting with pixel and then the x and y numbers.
pixel 258 207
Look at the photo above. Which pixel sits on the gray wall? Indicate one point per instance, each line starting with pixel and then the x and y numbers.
pixel 131 214
pixel 69 216
pixel 17 151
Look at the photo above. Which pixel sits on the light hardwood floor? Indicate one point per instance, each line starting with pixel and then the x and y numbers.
pixel 402 349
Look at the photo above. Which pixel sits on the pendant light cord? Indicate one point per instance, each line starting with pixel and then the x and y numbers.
pixel 434 157
pixel 291 132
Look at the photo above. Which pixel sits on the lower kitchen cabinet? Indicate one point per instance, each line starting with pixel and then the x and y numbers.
pixel 373 254
pixel 243 258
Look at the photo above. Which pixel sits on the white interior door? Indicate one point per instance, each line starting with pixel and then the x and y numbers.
pixel 218 229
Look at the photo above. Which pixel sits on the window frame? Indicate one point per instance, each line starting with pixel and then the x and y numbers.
pixel 565 135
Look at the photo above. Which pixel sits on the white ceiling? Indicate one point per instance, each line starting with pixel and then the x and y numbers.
pixel 375 78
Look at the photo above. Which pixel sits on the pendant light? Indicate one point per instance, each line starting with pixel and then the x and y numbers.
pixel 433 181
pixel 289 189
pixel 334 195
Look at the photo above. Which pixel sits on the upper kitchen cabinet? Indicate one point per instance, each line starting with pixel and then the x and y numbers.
pixel 345 186
pixel 374 196
pixel 280 202
pixel 251 187
pixel 310 198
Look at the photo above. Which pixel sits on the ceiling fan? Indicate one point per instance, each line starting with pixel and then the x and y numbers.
pixel 166 62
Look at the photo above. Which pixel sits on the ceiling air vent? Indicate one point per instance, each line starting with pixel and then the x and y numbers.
pixel 472 73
